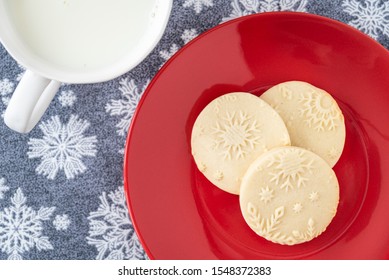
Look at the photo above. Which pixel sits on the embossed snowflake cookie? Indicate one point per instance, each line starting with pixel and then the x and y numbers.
pixel 230 133
pixel 289 195
pixel 313 118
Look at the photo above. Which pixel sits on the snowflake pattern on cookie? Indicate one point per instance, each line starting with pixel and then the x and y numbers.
pixel 268 227
pixel 311 115
pixel 266 194
pixel 265 225
pixel 314 196
pixel 287 210
pixel 297 207
pixel 320 111
pixel 288 169
pixel 236 133
pixel 230 132
pixel 310 232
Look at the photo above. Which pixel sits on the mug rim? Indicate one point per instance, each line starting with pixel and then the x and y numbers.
pixel 128 61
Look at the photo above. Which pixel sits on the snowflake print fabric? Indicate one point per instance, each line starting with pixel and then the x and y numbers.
pixel 126 106
pixel 21 227
pixel 3 188
pixel 62 147
pixel 370 16
pixel 186 37
pixel 61 222
pixel 67 98
pixel 198 5
pixel 168 54
pixel 6 88
pixel 111 231
pixel 247 7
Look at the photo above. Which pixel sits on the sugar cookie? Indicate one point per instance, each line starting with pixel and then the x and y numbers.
pixel 289 195
pixel 230 133
pixel 313 118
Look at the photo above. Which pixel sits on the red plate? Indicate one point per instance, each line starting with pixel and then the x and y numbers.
pixel 178 214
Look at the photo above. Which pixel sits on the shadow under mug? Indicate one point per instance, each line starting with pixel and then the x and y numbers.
pixel 43 78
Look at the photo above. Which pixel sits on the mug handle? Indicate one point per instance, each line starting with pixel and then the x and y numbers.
pixel 29 101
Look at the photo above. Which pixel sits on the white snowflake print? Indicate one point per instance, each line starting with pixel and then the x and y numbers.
pixel 166 55
pixel 62 147
pixel 111 231
pixel 126 106
pixel 198 4
pixel 20 75
pixel 61 222
pixel 187 36
pixel 247 7
pixel 370 16
pixel 67 98
pixel 6 89
pixel 3 188
pixel 21 227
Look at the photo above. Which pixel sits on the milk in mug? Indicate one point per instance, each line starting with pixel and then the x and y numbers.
pixel 80 34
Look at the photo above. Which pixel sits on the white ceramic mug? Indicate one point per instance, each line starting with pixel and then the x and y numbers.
pixel 74 41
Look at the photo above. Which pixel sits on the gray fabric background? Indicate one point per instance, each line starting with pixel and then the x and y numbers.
pixel 91 206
